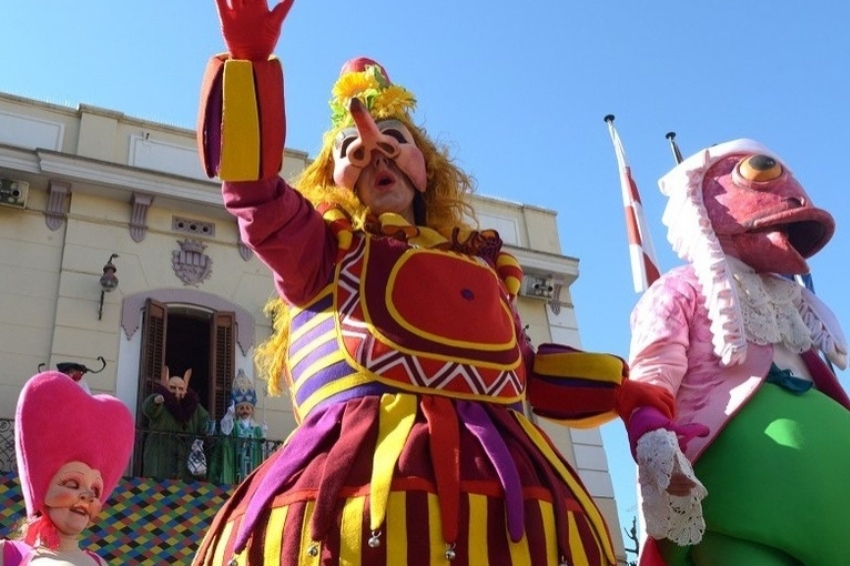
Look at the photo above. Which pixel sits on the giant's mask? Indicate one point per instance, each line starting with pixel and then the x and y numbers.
pixel 754 206
pixel 371 105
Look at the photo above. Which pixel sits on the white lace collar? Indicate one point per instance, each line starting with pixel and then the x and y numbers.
pixel 770 308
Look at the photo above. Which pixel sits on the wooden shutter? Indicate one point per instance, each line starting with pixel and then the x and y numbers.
pixel 154 327
pixel 222 364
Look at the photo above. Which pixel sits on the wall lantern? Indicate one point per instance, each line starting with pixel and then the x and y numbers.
pixel 108 282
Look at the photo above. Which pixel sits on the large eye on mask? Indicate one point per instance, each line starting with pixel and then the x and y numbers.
pixel 759 169
pixel 395 130
pixel 344 139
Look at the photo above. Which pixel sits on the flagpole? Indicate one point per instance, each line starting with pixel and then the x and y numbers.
pixel 677 155
pixel 642 254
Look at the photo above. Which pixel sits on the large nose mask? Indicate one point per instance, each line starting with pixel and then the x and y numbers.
pixel 354 148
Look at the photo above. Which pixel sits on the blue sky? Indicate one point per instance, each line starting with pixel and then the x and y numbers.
pixel 518 91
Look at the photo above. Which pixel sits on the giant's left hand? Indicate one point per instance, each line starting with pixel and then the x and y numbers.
pixel 249 28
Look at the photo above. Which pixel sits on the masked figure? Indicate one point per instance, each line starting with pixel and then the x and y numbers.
pixel 175 418
pixel 72 448
pixel 750 412
pixel 396 334
pixel 239 447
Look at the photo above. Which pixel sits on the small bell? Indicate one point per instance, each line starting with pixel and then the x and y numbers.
pixel 450 552
pixel 375 539
pixel 563 562
pixel 313 550
pixel 233 562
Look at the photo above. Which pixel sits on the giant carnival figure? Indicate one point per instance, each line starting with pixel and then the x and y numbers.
pixel 397 335
pixel 757 420
pixel 71 449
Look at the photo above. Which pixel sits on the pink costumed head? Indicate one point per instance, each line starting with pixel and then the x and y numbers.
pixel 57 422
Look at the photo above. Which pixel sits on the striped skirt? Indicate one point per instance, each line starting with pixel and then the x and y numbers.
pixel 407 479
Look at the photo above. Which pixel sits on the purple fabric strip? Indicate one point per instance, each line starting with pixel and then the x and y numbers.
pixel 479 424
pixel 326 375
pixel 317 350
pixel 308 314
pixel 377 389
pixel 213 123
pixel 301 448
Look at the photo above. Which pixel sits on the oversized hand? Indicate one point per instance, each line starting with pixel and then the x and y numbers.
pixel 249 28
pixel 647 419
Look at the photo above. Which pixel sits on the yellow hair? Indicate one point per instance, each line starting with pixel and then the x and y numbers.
pixel 447 206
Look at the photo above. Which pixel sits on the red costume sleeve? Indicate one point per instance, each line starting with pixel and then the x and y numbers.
pixel 286 232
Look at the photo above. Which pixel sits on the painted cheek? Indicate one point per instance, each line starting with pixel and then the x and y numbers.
pixel 58 496
pixel 412 162
pixel 95 508
pixel 345 174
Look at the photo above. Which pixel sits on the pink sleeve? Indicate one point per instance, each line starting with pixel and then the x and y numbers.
pixel 660 333
pixel 286 232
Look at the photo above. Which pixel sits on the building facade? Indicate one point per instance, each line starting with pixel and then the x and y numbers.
pixel 116 252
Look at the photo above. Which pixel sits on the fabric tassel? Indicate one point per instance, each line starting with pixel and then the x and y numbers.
pixel 444 445
pixel 476 420
pixel 398 413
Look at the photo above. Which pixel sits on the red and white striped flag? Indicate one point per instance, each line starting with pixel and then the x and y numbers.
pixel 644 261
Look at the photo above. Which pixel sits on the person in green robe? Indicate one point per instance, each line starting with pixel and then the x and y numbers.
pixel 240 442
pixel 176 417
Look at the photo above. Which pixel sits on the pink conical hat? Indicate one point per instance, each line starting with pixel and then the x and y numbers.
pixel 57 422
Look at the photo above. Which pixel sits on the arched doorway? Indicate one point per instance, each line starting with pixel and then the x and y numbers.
pixel 183 337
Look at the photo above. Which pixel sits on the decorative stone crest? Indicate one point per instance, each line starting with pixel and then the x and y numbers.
pixel 190 262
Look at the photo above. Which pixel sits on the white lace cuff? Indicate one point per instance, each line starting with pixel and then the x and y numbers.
pixel 668 516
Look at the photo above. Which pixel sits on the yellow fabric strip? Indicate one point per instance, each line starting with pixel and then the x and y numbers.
pixel 240 123
pixel 478 529
pixel 520 555
pixel 318 319
pixel 351 531
pixel 575 541
pixel 547 513
pixel 305 556
pixel 435 532
pixel 332 388
pixel 397 528
pixel 587 422
pixel 271 552
pixel 398 412
pixel 221 544
pixel 603 368
pixel 581 495
pixel 318 365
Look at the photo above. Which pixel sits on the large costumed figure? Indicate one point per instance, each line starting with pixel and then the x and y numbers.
pixel 397 336
pixel 749 464
pixel 240 443
pixel 176 419
pixel 71 448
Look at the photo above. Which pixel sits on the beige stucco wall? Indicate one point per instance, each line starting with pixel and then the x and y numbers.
pixel 49 279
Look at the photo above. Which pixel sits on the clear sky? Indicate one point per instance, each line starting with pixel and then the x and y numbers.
pixel 518 91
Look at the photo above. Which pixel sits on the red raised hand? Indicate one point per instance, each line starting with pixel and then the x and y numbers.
pixel 249 28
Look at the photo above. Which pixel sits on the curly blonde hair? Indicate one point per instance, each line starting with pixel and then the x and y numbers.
pixel 447 206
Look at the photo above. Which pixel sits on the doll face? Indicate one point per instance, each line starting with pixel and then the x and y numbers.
pixel 177 386
pixel 244 410
pixel 72 500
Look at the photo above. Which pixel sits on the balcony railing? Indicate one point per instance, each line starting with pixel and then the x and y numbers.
pixel 165 455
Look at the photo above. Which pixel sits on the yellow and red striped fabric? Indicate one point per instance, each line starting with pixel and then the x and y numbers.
pixel 242 122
